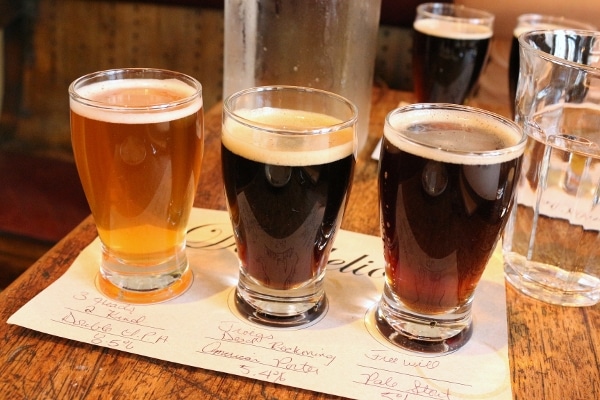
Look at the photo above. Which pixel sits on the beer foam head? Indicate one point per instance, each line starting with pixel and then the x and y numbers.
pixel 135 101
pixel 452 29
pixel 454 136
pixel 287 137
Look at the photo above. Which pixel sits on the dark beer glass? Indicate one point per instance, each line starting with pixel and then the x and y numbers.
pixel 450 46
pixel 446 179
pixel 288 156
pixel 527 23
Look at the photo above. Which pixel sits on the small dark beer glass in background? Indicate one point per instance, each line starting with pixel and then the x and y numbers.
pixel 527 23
pixel 446 179
pixel 451 44
pixel 288 156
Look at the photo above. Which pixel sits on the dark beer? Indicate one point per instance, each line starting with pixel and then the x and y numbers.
pixel 447 59
pixel 139 170
pixel 286 202
pixel 513 72
pixel 442 213
pixel 523 26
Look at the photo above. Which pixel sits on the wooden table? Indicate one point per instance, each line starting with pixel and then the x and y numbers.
pixel 554 351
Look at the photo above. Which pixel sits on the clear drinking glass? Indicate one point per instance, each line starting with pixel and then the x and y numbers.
pixel 137 137
pixel 528 23
pixel 451 44
pixel 446 179
pixel 552 242
pixel 288 156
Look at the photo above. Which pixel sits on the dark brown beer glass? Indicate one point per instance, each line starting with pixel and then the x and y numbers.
pixel 288 156
pixel 450 47
pixel 446 180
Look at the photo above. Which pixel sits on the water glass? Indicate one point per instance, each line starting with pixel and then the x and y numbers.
pixel 137 137
pixel 552 244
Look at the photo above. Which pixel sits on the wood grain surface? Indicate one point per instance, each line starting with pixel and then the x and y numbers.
pixel 554 351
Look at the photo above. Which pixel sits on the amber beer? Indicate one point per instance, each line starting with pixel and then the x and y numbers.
pixel 443 212
pixel 138 148
pixel 447 59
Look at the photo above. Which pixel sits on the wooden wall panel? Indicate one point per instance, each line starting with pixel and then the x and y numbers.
pixel 75 37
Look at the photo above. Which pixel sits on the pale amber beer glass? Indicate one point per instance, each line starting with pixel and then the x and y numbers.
pixel 450 48
pixel 137 137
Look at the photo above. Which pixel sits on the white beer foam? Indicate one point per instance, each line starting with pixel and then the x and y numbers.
pixel 452 29
pixel 117 113
pixel 297 147
pixel 484 142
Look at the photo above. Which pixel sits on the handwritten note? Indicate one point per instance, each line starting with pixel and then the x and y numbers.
pixel 341 354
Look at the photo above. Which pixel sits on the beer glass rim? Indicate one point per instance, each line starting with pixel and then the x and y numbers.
pixel 119 74
pixel 525 45
pixel 472 15
pixel 470 156
pixel 560 21
pixel 231 112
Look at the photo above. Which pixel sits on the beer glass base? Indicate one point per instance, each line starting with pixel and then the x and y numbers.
pixel 419 333
pixel 153 287
pixel 279 312
pixel 551 284
pixel 280 320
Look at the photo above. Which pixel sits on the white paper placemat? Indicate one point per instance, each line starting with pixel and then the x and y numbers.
pixel 341 354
